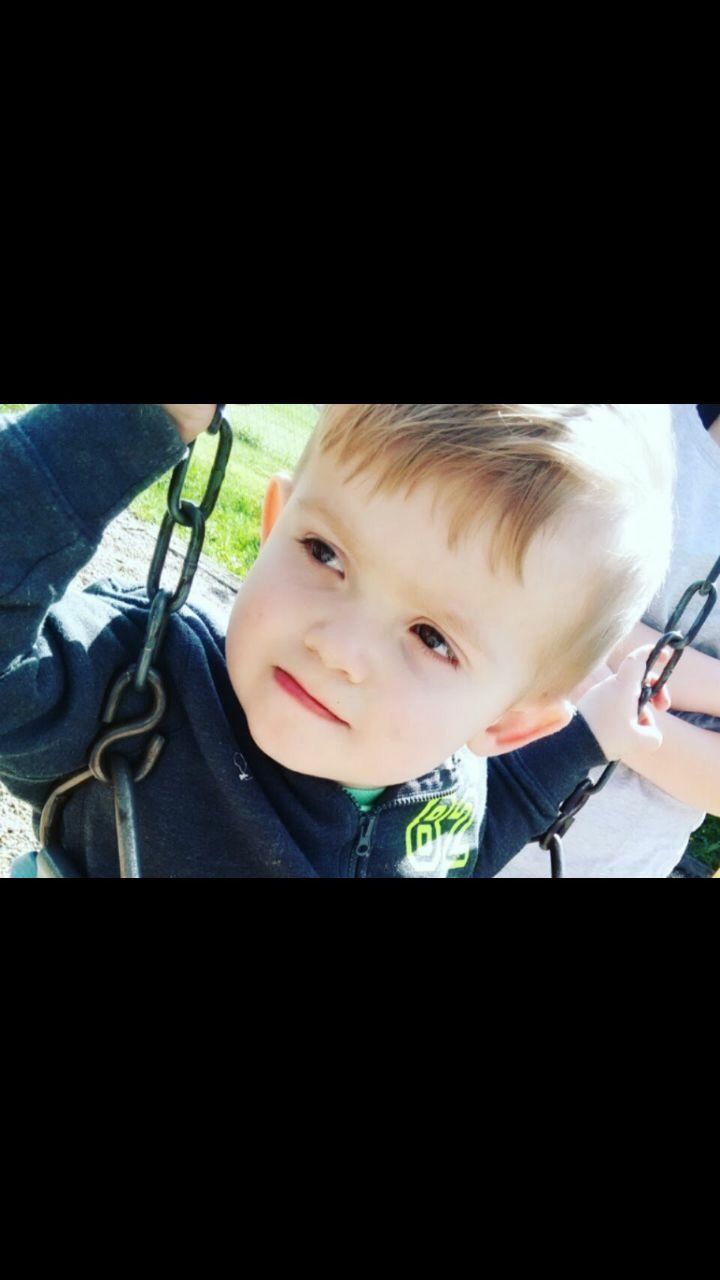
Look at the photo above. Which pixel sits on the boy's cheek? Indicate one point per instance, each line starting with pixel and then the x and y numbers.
pixel 244 639
pixel 256 605
pixel 417 731
pixel 261 623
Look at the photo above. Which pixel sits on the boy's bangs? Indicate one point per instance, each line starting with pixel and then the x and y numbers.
pixel 487 462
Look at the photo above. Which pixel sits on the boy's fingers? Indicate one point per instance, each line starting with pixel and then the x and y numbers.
pixel 632 674
pixel 662 700
pixel 633 668
pixel 644 652
pixel 649 730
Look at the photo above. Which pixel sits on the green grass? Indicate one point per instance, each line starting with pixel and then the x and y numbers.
pixel 705 844
pixel 268 438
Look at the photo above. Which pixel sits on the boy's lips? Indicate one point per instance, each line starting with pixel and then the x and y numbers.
pixel 301 695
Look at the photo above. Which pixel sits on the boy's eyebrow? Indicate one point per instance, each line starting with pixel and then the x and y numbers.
pixel 333 518
pixel 462 627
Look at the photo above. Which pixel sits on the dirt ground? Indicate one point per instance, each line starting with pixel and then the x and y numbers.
pixel 126 554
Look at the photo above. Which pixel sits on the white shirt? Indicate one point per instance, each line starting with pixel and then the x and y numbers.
pixel 632 829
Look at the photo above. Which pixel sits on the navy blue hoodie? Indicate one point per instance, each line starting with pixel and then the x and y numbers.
pixel 214 805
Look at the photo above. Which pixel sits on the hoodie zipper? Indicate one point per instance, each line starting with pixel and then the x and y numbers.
pixel 361 853
pixel 360 856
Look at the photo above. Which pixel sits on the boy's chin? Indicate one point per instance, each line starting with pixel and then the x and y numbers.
pixel 297 760
pixel 289 756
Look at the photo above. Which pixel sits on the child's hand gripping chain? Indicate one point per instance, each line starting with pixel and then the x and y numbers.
pixel 621 719
pixel 191 419
pixel 611 707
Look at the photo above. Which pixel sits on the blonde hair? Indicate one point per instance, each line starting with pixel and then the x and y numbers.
pixel 529 466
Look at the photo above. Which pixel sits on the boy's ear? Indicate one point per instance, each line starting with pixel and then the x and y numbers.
pixel 520 726
pixel 277 496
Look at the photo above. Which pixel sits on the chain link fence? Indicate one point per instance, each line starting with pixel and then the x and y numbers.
pixel 276 433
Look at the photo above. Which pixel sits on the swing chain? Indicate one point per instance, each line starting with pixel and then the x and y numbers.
pixel 677 641
pixel 115 771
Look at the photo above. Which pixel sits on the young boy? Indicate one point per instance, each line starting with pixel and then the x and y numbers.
pixel 434 581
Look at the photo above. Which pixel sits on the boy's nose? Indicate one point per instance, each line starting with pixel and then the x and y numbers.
pixel 342 646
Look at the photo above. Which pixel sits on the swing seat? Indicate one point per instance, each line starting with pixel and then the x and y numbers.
pixel 25 867
pixel 43 864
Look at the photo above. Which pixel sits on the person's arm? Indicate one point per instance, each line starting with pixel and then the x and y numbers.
pixel 687 766
pixel 66 470
pixel 695 682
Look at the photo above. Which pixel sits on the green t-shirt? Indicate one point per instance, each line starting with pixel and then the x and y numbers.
pixel 365 800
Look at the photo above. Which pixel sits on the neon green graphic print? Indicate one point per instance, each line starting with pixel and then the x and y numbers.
pixel 435 842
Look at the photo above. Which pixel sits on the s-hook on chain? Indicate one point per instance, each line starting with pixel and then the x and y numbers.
pixel 106 765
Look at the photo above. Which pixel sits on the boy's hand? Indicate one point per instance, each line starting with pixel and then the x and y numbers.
pixel 611 707
pixel 191 419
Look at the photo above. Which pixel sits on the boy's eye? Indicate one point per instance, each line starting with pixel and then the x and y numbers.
pixel 433 640
pixel 319 551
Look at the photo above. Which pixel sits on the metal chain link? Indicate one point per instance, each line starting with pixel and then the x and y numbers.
pixel 672 638
pixel 110 768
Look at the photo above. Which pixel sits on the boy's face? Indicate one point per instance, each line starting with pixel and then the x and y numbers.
pixel 350 606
